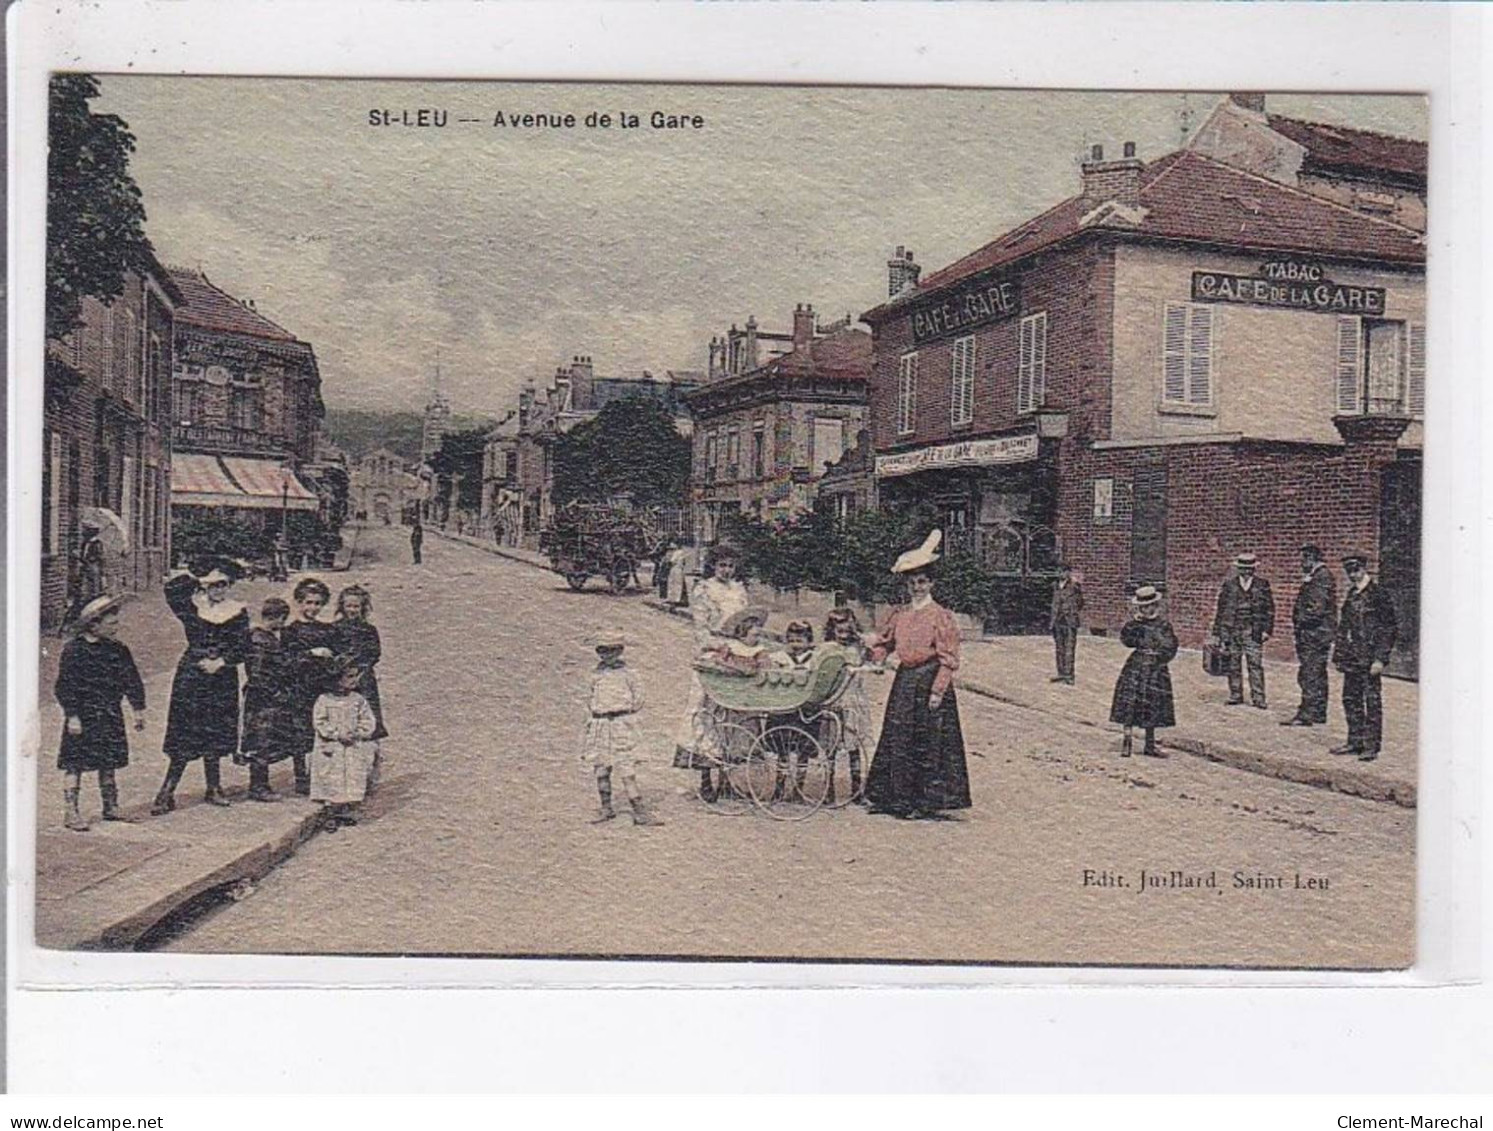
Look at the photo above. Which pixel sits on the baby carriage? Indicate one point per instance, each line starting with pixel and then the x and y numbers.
pixel 777 735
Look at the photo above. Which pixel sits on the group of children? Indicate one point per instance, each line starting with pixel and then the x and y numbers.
pixel 311 695
pixel 612 733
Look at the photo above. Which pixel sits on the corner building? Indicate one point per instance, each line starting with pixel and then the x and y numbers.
pixel 1185 361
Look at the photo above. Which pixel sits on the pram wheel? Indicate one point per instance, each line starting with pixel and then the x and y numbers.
pixel 728 747
pixel 788 773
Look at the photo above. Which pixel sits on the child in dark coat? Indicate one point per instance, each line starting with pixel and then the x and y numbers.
pixel 1143 693
pixel 95 674
pixel 269 699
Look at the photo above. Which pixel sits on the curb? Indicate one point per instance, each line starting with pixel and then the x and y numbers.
pixel 1339 778
pixel 492 548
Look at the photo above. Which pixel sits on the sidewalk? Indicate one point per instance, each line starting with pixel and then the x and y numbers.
pixel 528 557
pixel 1016 670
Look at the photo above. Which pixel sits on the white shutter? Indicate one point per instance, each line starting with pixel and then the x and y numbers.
pixel 1024 369
pixel 1349 365
pixel 907 393
pixel 1416 372
pixel 1200 355
pixel 1174 354
pixel 54 489
pixel 127 498
pixel 962 381
pixel 1039 360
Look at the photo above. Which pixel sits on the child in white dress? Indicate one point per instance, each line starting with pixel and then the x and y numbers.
pixel 612 731
pixel 344 750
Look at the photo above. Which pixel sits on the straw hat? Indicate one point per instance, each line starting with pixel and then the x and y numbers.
pixel 1146 595
pixel 96 608
pixel 921 558
pixel 609 640
pixel 733 623
pixel 1246 561
pixel 1356 559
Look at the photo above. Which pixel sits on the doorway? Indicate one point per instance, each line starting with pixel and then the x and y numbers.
pixel 1399 559
pixel 1148 525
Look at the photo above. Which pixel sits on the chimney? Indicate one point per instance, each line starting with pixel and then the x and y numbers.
pixel 1254 102
pixel 525 405
pixel 582 383
pixel 751 344
pixel 902 272
pixel 1112 180
pixel 803 326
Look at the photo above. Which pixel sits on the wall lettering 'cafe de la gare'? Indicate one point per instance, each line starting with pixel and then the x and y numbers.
pixel 1186 360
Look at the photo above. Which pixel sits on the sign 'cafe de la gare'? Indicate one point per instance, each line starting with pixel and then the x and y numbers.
pixel 1291 284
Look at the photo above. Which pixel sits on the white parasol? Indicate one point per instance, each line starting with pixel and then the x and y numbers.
pixel 113 533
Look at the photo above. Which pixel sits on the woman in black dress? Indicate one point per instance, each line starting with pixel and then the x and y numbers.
pixel 95 674
pixel 1143 693
pixel 203 719
pixel 310 644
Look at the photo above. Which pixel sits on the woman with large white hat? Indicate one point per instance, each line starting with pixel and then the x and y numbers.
pixel 919 768
pixel 203 719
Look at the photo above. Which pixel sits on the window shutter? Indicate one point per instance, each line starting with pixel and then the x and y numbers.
pixel 1349 366
pixel 1416 372
pixel 1039 360
pixel 962 392
pixel 1200 355
pixel 1174 354
pixel 907 390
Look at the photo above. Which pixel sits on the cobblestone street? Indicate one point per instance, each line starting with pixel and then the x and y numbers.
pixel 480 843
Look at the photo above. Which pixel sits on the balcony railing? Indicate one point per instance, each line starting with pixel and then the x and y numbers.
pixel 225 438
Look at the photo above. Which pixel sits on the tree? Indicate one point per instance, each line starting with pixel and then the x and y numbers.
pixel 630 447
pixel 460 454
pixel 95 220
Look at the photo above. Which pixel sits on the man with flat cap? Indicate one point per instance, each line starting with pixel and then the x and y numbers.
pixel 1244 621
pixel 1366 632
pixel 1314 619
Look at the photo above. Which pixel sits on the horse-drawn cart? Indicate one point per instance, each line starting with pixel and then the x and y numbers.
pixel 586 541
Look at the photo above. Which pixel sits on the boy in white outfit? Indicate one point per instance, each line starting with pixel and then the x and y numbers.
pixel 612 731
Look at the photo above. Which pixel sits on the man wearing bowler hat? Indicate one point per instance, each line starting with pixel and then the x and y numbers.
pixel 1314 619
pixel 1366 631
pixel 1244 621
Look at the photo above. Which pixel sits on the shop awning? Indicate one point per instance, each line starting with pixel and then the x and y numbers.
pixel 200 480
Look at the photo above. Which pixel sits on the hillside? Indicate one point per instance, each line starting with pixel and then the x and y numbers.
pixel 360 431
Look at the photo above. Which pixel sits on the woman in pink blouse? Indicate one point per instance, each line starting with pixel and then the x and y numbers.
pixel 919 769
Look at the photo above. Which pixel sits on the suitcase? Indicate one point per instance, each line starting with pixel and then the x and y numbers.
pixel 1214 661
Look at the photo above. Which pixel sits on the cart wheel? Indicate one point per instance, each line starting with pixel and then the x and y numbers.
pixel 788 774
pixel 730 747
pixel 621 575
pixel 575 580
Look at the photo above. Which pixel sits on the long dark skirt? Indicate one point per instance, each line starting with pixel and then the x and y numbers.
pixel 919 764
pixel 203 717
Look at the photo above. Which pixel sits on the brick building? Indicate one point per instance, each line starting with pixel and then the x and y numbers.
pixel 763 436
pixel 1184 361
pixel 106 442
pixel 247 413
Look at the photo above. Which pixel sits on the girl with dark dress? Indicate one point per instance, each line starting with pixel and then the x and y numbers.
pixel 96 672
pixel 269 699
pixel 358 639
pixel 203 719
pixel 919 769
pixel 309 646
pixel 1143 693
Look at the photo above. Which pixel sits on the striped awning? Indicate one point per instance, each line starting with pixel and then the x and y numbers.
pixel 201 480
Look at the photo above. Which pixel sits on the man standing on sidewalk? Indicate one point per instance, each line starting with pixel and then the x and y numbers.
pixel 1314 620
pixel 1244 621
pixel 1067 606
pixel 417 538
pixel 1366 631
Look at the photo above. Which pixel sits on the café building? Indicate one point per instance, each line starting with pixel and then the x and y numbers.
pixel 1183 361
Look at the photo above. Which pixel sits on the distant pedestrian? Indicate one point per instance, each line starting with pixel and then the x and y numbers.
pixel 96 673
pixel 1244 621
pixel 680 560
pixel 356 637
pixel 310 647
pixel 203 719
pixel 1366 633
pixel 919 770
pixel 612 733
pixel 269 733
pixel 1314 620
pixel 343 754
pixel 417 539
pixel 1143 693
pixel 1067 610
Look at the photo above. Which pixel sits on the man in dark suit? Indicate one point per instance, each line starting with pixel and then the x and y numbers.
pixel 1314 619
pixel 1366 631
pixel 1244 621
pixel 1067 608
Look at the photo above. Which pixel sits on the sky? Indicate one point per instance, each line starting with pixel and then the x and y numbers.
pixel 504 252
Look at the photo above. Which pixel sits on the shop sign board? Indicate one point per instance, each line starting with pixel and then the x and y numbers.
pixel 967 453
pixel 966 308
pixel 1290 284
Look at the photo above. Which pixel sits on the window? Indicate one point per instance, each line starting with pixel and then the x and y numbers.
pixel 106 340
pixel 759 449
pixel 710 455
pixel 48 486
pixel 1031 383
pixel 907 394
pixel 246 413
pixel 154 367
pixel 1380 367
pixel 829 443
pixel 1187 366
pixel 733 448
pixel 962 382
